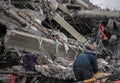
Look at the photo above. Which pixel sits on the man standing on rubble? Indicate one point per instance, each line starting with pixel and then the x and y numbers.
pixel 85 64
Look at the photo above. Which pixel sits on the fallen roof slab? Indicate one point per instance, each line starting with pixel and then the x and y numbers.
pixel 21 40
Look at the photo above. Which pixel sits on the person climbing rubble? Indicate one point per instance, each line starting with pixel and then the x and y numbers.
pixel 85 65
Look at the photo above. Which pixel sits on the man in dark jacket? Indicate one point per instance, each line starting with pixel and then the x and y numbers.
pixel 85 65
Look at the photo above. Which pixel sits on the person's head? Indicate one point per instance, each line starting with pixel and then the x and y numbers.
pixel 92 46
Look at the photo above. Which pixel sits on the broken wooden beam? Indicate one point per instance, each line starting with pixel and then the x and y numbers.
pixel 69 28
pixel 98 13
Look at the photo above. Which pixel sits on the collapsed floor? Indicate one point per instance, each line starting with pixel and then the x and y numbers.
pixel 52 33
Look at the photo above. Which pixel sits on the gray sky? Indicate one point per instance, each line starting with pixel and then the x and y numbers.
pixel 111 4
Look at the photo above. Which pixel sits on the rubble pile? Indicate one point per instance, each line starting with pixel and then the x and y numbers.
pixel 61 71
pixel 55 31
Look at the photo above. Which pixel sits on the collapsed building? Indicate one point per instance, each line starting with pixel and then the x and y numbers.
pixel 54 32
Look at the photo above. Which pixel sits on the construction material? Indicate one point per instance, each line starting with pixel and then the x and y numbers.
pixel 69 28
pixel 98 13
pixel 83 4
pixel 63 8
pixel 53 30
pixel 38 44
pixel 27 73
pixel 37 25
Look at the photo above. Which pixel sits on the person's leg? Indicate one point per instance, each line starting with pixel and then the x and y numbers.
pixel 86 74
pixel 78 74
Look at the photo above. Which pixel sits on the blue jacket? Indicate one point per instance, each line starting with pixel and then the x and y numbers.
pixel 86 60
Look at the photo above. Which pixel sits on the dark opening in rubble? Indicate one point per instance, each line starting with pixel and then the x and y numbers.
pixel 5 60
pixel 52 24
pixel 2 34
pixel 9 59
pixel 2 30
pixel 22 4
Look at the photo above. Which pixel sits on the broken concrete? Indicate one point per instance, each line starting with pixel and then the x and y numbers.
pixel 21 40
pixel 98 13
pixel 67 27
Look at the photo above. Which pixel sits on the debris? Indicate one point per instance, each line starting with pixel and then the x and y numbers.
pixel 113 39
pixel 63 8
pixel 69 28
pixel 72 6
pixel 98 13
pixel 55 31
pixel 81 2
pixel 30 42
pixel 53 4
pixel 36 24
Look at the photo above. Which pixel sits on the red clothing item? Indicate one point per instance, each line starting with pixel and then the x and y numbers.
pixel 103 36
pixel 117 81
pixel 12 78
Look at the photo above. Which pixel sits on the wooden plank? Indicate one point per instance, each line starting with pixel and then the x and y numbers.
pixel 69 28
pixel 101 74
pixel 98 13
pixel 63 8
